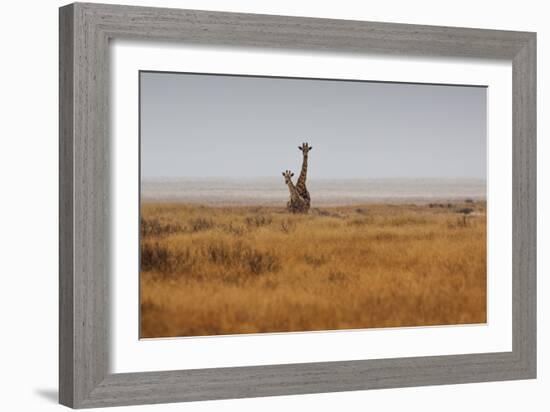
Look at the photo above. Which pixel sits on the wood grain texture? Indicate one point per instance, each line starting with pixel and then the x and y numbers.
pixel 66 228
pixel 85 31
pixel 524 209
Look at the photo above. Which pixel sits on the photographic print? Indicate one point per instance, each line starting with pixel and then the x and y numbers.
pixel 271 204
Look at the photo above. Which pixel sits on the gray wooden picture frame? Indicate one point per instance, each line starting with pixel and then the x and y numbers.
pixel 85 31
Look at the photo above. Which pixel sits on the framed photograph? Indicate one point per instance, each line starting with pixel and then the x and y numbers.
pixel 257 205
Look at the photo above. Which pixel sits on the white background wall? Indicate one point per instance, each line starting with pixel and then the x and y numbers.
pixel 28 209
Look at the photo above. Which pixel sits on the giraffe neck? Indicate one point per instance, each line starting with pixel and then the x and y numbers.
pixel 301 183
pixel 292 190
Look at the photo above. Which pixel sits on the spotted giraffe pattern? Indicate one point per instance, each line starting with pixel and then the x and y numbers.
pixel 301 183
pixel 296 204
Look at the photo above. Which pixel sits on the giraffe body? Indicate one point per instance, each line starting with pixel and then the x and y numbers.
pixel 301 183
pixel 296 204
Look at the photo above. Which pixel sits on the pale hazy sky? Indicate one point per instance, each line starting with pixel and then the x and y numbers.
pixel 227 126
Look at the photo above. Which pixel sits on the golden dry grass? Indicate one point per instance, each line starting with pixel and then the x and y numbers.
pixel 229 270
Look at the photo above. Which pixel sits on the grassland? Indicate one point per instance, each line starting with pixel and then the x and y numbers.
pixel 228 270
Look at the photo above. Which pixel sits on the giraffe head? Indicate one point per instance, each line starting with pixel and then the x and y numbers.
pixel 288 176
pixel 305 148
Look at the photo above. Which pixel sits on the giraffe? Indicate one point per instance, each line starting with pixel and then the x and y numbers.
pixel 301 183
pixel 296 204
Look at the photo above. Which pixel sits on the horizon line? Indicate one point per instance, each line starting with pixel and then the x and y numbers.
pixel 320 178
